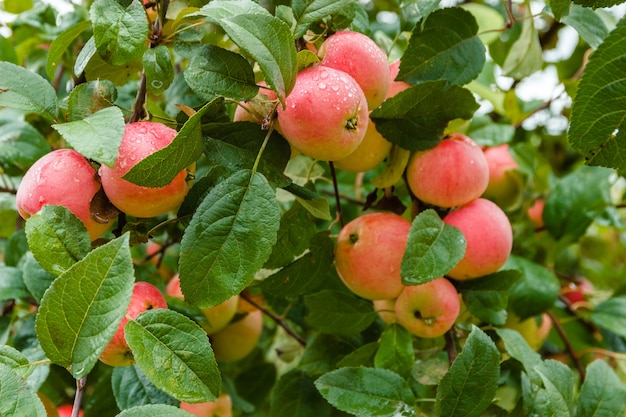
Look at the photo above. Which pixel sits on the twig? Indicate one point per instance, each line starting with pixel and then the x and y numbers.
pixel 450 346
pixel 78 398
pixel 568 345
pixel 333 174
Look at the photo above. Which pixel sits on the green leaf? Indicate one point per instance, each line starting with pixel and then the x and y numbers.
pixel 536 290
pixel 598 112
pixel 294 395
pixel 368 392
pixel 488 297
pixel 175 354
pixel 81 311
pixel 524 57
pixel 268 41
pixel 215 71
pixel 602 394
pixel 25 90
pixel 61 44
pixel 322 354
pixel 160 168
pixel 14 359
pixel 16 399
pixel 11 285
pixel 598 3
pixel 395 351
pixel 238 216
pixel 588 24
pixel 444 47
pixel 154 410
pixel 489 21
pixel 558 381
pixel 519 350
pixel 560 8
pixel 87 98
pixel 306 274
pixel 217 10
pixel 338 313
pixel 120 33
pixel 36 279
pixel 57 238
pixel 427 108
pixel 611 315
pixel 7 51
pixel 157 64
pixel 432 250
pixel 576 200
pixel 362 356
pixel 132 388
pixel 97 136
pixel 21 145
pixel 471 383
pixel 307 12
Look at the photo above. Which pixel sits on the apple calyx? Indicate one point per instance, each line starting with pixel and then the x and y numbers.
pixel 429 321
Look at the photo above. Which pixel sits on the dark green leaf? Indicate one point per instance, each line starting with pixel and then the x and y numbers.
pixel 132 388
pixel 214 72
pixel 426 108
pixel 602 394
pixel 307 12
pixel 120 33
pixel 163 336
pixel 25 90
pixel 444 47
pixel 57 238
pixel 322 354
pixel 97 136
pixel 598 3
pixel 86 99
pixel 519 350
pixel 81 311
pixel 61 44
pixel 432 250
pixel 154 410
pixel 36 279
pixel 395 351
pixel 16 399
pixel 338 313
pixel 598 112
pixel 588 24
pixel 294 395
pixel 611 315
pixel 536 290
pixel 157 64
pixel 217 10
pixel 238 216
pixel 21 145
pixel 368 392
pixel 361 356
pixel 488 297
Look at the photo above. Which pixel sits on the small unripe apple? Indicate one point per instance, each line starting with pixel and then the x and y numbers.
pixel 369 154
pixel 325 115
pixel 65 410
pixel 534 330
pixel 505 181
pixel 217 316
pixel 535 213
pixel 239 338
pixel 145 297
pixel 222 407
pixel 140 140
pixel 369 252
pixel 395 86
pixel 428 310
pixel 488 235
pixel 356 54
pixel 63 178
pixel 451 174
pixel 386 309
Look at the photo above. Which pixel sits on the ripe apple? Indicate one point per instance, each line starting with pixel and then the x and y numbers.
pixel 428 310
pixel 145 297
pixel 535 213
pixel 386 309
pixel 505 181
pixel 369 253
pixel 356 54
pixel 239 338
pixel 258 109
pixel 64 178
pixel 217 316
pixel 325 115
pixel 395 86
pixel 372 151
pixel 65 410
pixel 451 174
pixel 576 293
pixel 140 140
pixel 222 407
pixel 489 238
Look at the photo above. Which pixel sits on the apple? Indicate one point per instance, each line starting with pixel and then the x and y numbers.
pixel 369 253
pixel 576 293
pixel 222 407
pixel 257 109
pixel 217 316
pixel 369 154
pixel 386 309
pixel 239 338
pixel 534 330
pixel 244 306
pixel 140 140
pixel 65 410
pixel 451 174
pixel 63 178
pixel 325 115
pixel 145 297
pixel 359 56
pixel 488 235
pixel 535 213
pixel 428 310
pixel 505 181
pixel 395 86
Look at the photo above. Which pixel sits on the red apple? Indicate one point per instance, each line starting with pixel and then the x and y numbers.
pixel 451 174
pixel 395 86
pixel 222 407
pixel 489 238
pixel 386 309
pixel 428 310
pixel 65 410
pixel 505 181
pixel 369 253
pixel 359 56
pixel 325 115
pixel 239 338
pixel 535 213
pixel 140 140
pixel 64 178
pixel 145 297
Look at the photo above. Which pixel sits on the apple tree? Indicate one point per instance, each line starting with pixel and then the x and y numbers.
pixel 331 207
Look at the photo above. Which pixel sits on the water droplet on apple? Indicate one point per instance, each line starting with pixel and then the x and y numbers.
pixel 321 85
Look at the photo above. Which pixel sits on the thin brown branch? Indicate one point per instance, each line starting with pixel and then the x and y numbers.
pixel 568 345
pixel 333 174
pixel 450 346
pixel 78 398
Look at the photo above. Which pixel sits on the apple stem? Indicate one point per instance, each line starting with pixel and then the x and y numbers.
pixel 78 398
pixel 568 344
pixel 333 175
pixel 263 146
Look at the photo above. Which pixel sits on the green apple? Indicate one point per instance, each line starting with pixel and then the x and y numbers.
pixel 239 338
pixel 505 181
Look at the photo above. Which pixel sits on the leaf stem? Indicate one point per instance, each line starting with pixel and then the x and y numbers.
pixel 263 146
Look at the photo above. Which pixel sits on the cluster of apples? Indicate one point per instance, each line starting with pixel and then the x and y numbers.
pixel 453 176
